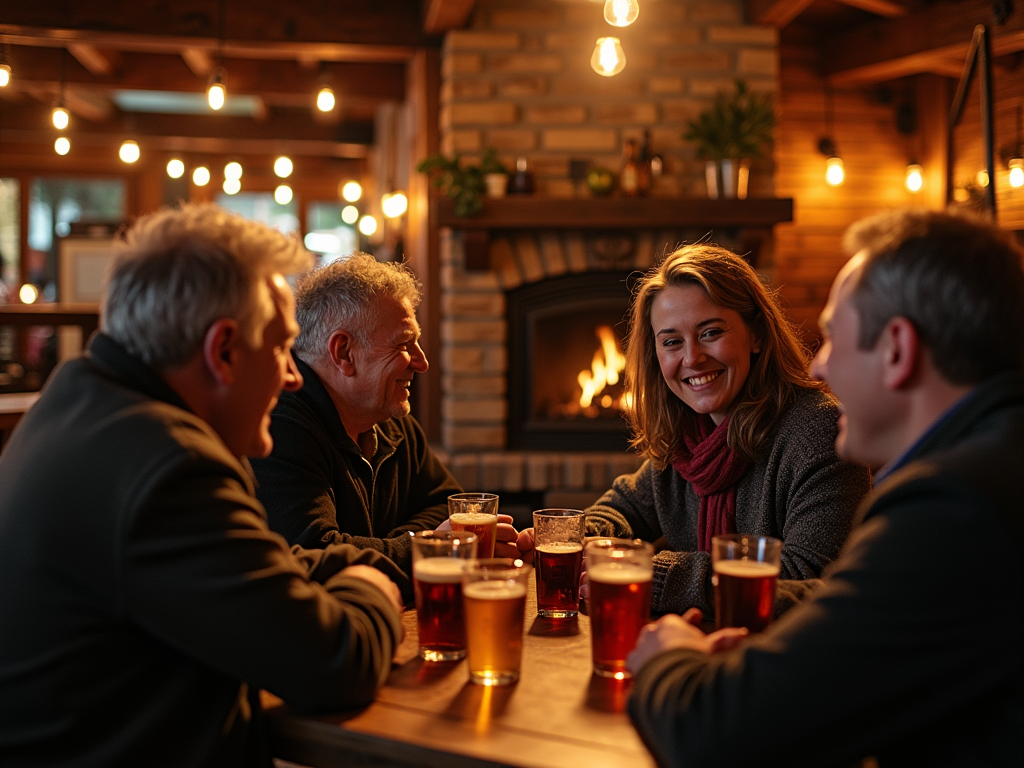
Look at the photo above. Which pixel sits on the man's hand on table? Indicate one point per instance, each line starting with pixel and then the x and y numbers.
pixel 674 631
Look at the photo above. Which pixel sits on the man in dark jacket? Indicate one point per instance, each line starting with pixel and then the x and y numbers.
pixel 144 601
pixel 350 464
pixel 911 651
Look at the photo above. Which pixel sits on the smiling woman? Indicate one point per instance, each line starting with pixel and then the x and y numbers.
pixel 737 436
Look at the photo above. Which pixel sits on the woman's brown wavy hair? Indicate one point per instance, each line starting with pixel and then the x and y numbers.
pixel 777 373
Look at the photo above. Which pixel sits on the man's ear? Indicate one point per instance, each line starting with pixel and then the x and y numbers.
pixel 220 350
pixel 339 350
pixel 901 352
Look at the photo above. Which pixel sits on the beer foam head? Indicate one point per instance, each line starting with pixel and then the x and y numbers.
pixel 560 547
pixel 746 569
pixel 619 573
pixel 494 590
pixel 473 518
pixel 439 570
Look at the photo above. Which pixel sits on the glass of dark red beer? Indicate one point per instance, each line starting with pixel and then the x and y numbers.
pixel 558 559
pixel 438 560
pixel 619 572
pixel 746 570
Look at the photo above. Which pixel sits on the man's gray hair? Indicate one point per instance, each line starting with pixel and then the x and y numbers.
pixel 177 271
pixel 960 281
pixel 344 294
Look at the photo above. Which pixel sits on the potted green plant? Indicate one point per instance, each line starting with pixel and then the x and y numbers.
pixel 466 184
pixel 734 129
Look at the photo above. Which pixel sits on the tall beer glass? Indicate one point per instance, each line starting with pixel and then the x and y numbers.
pixel 619 572
pixel 558 543
pixel 477 513
pixel 438 560
pixel 746 569
pixel 494 592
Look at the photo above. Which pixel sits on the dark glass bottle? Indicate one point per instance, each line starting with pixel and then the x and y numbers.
pixel 643 165
pixel 629 176
pixel 522 181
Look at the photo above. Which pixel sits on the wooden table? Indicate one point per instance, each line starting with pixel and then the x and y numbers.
pixel 559 715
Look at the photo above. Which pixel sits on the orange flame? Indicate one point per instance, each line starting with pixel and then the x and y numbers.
pixel 605 368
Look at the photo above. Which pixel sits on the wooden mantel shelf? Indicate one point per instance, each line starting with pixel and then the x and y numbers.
pixel 618 213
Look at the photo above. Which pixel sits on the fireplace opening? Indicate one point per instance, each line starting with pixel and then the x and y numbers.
pixel 566 364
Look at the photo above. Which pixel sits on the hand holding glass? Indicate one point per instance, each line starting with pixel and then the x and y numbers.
pixel 477 513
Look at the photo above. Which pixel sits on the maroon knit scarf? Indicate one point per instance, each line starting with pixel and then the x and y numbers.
pixel 712 470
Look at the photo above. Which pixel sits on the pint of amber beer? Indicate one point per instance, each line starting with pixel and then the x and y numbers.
pixel 558 544
pixel 619 572
pixel 477 513
pixel 746 569
pixel 494 593
pixel 438 560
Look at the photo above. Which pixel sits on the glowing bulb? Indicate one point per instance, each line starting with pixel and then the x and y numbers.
pixel 982 178
pixel 608 58
pixel 231 186
pixel 325 99
pixel 367 225
pixel 28 293
pixel 217 92
pixel 233 170
pixel 61 118
pixel 175 168
pixel 5 75
pixel 1017 172
pixel 283 194
pixel 350 214
pixel 62 146
pixel 621 13
pixel 394 205
pixel 351 191
pixel 201 176
pixel 129 151
pixel 915 179
pixel 283 167
pixel 834 173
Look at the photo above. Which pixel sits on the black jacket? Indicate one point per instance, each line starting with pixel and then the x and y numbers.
pixel 319 489
pixel 911 652
pixel 143 600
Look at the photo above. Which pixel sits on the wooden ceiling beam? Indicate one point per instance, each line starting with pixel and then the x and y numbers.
pixel 777 13
pixel 885 8
pixel 198 60
pixel 439 16
pixel 920 42
pixel 89 56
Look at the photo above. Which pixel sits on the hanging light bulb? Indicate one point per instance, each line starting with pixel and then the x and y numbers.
pixel 351 191
pixel 232 186
pixel 217 90
pixel 233 170
pixel 60 116
pixel 283 195
pixel 621 13
pixel 325 99
pixel 394 205
pixel 201 176
pixel 915 177
pixel 283 167
pixel 175 168
pixel 835 174
pixel 982 178
pixel 129 151
pixel 1017 172
pixel 367 225
pixel 350 214
pixel 5 70
pixel 608 58
pixel 62 145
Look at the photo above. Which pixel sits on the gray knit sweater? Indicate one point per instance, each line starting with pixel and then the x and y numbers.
pixel 797 491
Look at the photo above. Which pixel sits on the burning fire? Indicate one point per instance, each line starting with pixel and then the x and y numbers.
pixel 604 371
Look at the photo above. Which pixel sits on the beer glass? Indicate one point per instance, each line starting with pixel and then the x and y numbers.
pixel 477 513
pixel 438 560
pixel 745 571
pixel 558 544
pixel 494 593
pixel 619 572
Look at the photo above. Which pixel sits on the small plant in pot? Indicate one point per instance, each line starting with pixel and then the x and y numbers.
pixel 465 184
pixel 734 129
